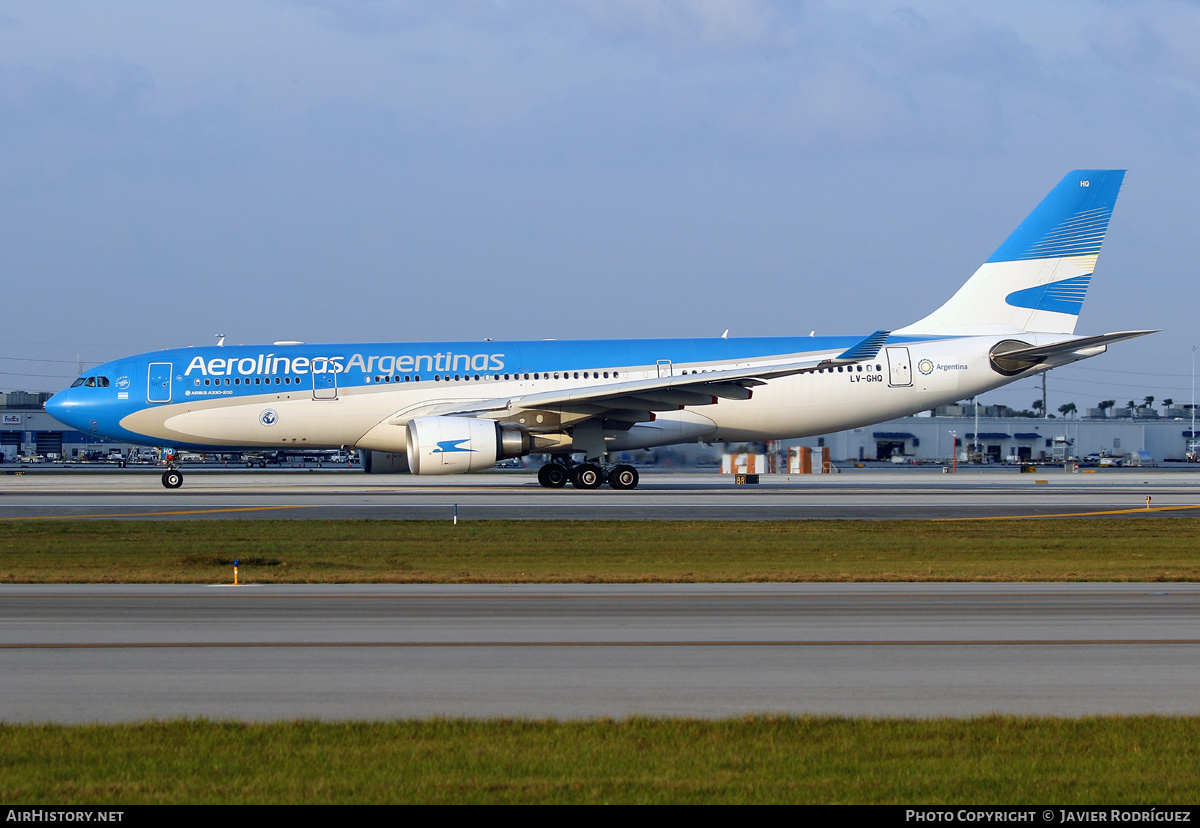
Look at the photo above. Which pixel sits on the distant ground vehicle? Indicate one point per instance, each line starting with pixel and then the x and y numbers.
pixel 259 459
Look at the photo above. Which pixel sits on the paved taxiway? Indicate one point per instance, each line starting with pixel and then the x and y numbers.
pixel 917 494
pixel 121 653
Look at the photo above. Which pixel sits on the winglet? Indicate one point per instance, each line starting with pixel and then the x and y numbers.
pixel 866 349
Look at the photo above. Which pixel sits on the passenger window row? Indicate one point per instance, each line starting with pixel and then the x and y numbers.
pixel 849 369
pixel 257 381
pixel 102 382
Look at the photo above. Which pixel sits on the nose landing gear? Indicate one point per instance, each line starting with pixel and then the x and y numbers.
pixel 172 478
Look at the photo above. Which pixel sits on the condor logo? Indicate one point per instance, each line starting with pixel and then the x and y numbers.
pixel 448 446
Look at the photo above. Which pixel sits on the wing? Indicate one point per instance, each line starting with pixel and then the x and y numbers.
pixel 635 401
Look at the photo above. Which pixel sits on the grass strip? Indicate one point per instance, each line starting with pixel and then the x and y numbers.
pixel 356 551
pixel 990 760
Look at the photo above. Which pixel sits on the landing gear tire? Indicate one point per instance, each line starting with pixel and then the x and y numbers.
pixel 262 464
pixel 623 477
pixel 172 479
pixel 552 476
pixel 586 476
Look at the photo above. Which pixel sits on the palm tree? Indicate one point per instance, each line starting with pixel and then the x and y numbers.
pixel 1068 409
pixel 1149 401
pixel 1037 406
pixel 1105 405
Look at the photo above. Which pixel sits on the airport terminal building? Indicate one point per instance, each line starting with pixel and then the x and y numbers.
pixel 938 438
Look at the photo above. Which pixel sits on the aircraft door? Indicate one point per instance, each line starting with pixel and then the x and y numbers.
pixel 664 368
pixel 899 370
pixel 158 382
pixel 324 385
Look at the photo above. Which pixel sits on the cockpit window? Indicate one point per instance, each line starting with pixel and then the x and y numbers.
pixel 102 382
pixel 77 383
pixel 90 382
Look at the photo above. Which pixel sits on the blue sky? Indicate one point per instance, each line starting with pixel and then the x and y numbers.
pixel 331 170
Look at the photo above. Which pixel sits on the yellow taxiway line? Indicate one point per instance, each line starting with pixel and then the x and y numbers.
pixel 1141 510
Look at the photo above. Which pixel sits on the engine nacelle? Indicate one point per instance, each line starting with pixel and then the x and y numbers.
pixel 455 445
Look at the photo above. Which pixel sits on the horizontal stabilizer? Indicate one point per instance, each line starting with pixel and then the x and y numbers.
pixel 1071 346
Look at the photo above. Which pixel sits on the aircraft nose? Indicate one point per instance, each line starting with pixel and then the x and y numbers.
pixel 61 407
pixel 54 405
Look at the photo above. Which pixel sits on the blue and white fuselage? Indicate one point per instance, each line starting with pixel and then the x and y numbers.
pixel 346 395
pixel 458 406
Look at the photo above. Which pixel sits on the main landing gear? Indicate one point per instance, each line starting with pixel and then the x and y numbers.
pixel 555 475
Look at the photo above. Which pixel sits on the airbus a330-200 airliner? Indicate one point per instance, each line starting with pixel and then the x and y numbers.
pixel 453 407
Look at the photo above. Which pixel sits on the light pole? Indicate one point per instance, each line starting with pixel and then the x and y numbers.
pixel 954 450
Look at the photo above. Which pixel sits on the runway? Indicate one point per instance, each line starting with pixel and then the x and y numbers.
pixel 128 653
pixel 311 494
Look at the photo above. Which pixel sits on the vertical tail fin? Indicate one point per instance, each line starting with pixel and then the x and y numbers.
pixel 1037 279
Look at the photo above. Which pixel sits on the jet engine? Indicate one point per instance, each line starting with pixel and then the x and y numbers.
pixel 454 445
